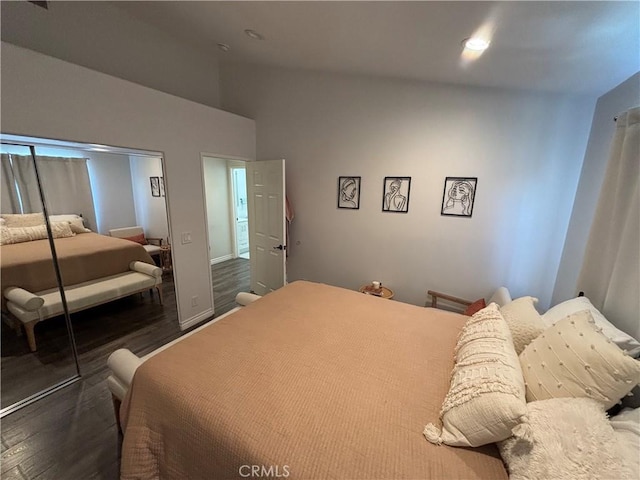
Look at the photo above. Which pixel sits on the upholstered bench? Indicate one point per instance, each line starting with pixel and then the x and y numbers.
pixel 123 363
pixel 31 308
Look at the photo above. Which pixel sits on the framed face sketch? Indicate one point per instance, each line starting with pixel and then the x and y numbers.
pixel 155 186
pixel 395 194
pixel 349 192
pixel 458 196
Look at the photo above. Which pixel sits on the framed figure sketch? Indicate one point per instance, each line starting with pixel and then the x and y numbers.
pixel 349 192
pixel 395 194
pixel 155 186
pixel 458 196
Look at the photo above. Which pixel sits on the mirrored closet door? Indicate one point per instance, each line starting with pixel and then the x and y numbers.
pixel 33 301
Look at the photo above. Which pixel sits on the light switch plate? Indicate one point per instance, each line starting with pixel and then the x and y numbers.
pixel 186 237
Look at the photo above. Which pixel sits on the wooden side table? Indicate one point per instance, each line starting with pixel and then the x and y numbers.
pixel 165 258
pixel 384 293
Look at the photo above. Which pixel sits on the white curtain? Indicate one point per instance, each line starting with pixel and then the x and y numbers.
pixel 20 192
pixel 610 275
pixel 65 182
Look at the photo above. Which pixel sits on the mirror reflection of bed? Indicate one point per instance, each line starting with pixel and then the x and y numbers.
pixel 118 290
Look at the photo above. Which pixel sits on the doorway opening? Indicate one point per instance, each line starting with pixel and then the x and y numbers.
pixel 240 210
pixel 226 201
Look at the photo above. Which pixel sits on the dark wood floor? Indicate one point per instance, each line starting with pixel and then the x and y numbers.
pixel 72 433
pixel 229 279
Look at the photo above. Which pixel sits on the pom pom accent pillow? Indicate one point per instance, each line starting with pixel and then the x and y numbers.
pixel 62 230
pixel 620 338
pixel 565 438
pixel 486 398
pixel 574 359
pixel 524 321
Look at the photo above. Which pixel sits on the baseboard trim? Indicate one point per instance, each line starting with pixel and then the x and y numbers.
pixel 190 322
pixel 224 258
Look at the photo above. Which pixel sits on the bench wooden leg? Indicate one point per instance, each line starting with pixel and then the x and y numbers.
pixel 159 289
pixel 116 411
pixel 31 336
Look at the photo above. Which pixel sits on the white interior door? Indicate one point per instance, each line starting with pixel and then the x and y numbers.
pixel 267 234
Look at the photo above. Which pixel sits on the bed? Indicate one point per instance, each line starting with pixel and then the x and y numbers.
pixel 311 381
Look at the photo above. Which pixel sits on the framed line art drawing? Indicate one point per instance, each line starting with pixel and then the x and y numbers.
pixel 155 186
pixel 349 192
pixel 458 196
pixel 395 194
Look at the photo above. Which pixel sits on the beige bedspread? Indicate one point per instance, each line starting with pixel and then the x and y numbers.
pixel 85 257
pixel 312 381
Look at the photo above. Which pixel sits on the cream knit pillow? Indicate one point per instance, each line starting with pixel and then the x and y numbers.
pixel 574 359
pixel 24 234
pixel 486 399
pixel 16 220
pixel 10 235
pixel 524 321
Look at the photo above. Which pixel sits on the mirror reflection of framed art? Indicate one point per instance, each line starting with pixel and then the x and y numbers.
pixel 155 186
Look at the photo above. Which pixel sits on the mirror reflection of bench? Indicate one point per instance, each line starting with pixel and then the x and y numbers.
pixel 152 245
pixel 30 308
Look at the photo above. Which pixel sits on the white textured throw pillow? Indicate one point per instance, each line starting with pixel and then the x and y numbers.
pixel 11 235
pixel 565 439
pixel 524 321
pixel 574 305
pixel 486 398
pixel 574 359
pixel 18 220
pixel 5 235
pixel 76 222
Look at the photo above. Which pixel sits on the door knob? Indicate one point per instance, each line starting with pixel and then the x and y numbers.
pixel 280 247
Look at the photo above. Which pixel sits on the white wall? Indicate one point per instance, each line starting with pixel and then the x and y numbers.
pixel 97 108
pixel 216 178
pixel 150 211
pixel 525 148
pixel 99 35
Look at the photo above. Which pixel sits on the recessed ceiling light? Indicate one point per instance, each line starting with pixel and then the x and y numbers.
pixel 476 44
pixel 253 34
pixel 224 47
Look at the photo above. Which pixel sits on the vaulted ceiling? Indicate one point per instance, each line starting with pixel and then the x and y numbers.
pixel 580 47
